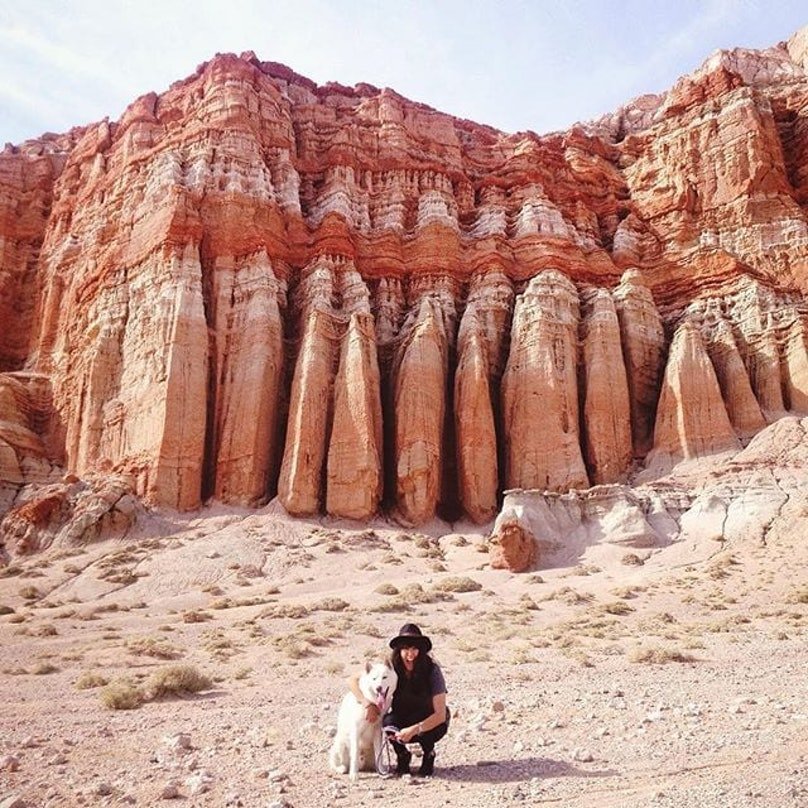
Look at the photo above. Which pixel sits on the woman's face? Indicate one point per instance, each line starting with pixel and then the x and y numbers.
pixel 409 653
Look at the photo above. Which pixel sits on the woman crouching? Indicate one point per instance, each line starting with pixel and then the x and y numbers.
pixel 419 713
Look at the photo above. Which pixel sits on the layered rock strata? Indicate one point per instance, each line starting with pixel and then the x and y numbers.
pixel 251 285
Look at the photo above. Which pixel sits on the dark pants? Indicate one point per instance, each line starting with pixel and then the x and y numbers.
pixel 427 739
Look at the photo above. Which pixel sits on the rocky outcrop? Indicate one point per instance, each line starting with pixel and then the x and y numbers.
pixel 742 406
pixel 540 389
pixel 251 285
pixel 512 545
pixel 480 358
pixel 732 500
pixel 68 514
pixel 420 401
pixel 606 412
pixel 643 341
pixel 249 363
pixel 691 420
pixel 355 478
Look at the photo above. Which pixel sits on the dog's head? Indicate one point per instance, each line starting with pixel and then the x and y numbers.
pixel 378 683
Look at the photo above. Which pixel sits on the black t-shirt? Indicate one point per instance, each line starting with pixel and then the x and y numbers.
pixel 412 701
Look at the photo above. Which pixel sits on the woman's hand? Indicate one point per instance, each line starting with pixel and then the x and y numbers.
pixel 407 734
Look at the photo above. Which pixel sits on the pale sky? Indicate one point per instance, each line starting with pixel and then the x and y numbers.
pixel 537 65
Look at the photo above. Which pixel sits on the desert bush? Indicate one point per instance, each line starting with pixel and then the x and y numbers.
pixel 527 602
pixel 293 611
pixel 799 595
pixel 43 668
pixel 121 695
pixel 330 605
pixel 294 647
pixel 395 604
pixel 29 592
pixel 632 560
pixel 195 616
pixel 659 655
pixel 385 589
pixel 45 630
pixel 616 607
pixel 153 646
pixel 176 680
pixel 415 593
pixel 569 596
pixel 458 583
pixel 6 609
pixel 89 680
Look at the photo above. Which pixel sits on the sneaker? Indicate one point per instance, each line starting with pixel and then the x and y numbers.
pixel 427 765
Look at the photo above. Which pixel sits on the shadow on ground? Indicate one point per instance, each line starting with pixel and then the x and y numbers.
pixel 516 769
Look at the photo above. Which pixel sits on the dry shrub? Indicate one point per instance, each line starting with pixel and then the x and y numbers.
pixel 195 616
pixel 293 611
pixel 616 607
pixel 293 647
pixel 43 668
pixel 89 679
pixel 330 605
pixel 29 592
pixel 632 560
pixel 570 596
pixel 415 593
pixel 396 604
pixel 458 583
pixel 153 647
pixel 799 595
pixel 45 630
pixel 527 602
pixel 176 680
pixel 384 589
pixel 6 609
pixel 121 695
pixel 659 656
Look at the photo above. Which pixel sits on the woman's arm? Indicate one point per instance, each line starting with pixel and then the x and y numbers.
pixel 372 712
pixel 430 722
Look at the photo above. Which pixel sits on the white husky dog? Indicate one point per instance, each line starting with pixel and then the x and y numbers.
pixel 357 742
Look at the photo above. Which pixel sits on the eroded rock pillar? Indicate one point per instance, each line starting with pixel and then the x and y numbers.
pixel 607 419
pixel 540 389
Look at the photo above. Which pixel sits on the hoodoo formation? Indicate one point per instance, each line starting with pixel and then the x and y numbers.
pixel 253 286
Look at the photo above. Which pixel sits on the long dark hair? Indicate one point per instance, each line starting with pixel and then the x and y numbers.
pixel 420 679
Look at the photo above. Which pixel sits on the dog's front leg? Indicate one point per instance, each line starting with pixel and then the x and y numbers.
pixel 353 741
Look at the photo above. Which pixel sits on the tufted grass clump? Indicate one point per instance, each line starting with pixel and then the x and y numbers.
pixel 657 655
pixel 292 611
pixel 799 595
pixel 176 680
pixel 121 695
pixel 156 647
pixel 89 680
pixel 330 605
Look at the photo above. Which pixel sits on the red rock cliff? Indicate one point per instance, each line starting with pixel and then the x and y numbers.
pixel 251 285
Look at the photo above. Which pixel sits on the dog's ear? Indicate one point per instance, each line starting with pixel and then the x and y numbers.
pixel 368 666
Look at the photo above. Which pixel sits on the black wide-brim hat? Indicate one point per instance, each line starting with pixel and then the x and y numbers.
pixel 410 634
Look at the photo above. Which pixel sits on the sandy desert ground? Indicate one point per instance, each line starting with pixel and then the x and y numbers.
pixel 668 677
